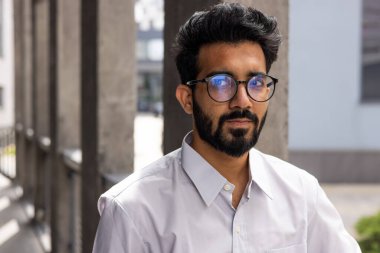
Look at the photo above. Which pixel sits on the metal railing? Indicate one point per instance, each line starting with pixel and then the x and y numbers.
pixel 72 160
pixel 38 164
pixel 7 152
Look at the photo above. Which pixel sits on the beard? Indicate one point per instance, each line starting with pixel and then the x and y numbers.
pixel 241 140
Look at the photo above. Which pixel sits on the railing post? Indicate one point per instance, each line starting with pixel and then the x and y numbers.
pixel 42 111
pixel 19 40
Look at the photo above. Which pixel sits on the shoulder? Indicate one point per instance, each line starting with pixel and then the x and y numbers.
pixel 143 183
pixel 285 170
pixel 288 180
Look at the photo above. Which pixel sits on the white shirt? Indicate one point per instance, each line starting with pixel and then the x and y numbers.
pixel 181 204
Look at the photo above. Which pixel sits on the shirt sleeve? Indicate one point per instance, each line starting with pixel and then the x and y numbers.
pixel 326 232
pixel 116 232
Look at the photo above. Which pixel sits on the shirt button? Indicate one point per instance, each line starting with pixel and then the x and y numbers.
pixel 227 187
pixel 237 229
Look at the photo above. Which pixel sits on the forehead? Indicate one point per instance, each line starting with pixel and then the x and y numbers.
pixel 240 58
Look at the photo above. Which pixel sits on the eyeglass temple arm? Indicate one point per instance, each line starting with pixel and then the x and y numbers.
pixel 194 82
pixel 275 80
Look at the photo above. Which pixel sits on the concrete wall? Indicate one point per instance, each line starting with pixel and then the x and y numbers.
pixel 6 66
pixel 325 78
pixel 69 73
pixel 42 67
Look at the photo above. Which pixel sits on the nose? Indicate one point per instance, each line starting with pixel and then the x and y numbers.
pixel 241 99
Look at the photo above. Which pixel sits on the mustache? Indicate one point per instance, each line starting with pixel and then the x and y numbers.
pixel 238 115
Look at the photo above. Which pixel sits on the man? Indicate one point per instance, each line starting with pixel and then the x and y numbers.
pixel 217 194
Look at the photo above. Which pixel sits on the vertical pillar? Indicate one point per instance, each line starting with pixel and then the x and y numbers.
pixel 89 120
pixel 176 122
pixel 108 100
pixel 18 18
pixel 28 83
pixel 42 106
pixel 274 137
pixel 117 87
pixel 66 120
pixel 42 66
pixel 51 159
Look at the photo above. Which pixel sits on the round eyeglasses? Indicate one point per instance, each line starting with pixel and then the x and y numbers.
pixel 223 87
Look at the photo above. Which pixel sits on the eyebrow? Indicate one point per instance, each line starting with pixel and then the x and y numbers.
pixel 219 72
pixel 250 74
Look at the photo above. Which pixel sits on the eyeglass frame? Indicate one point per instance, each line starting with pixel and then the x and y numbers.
pixel 237 82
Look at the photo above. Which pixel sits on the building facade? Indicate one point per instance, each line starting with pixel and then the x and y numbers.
pixel 149 17
pixel 6 64
pixel 334 89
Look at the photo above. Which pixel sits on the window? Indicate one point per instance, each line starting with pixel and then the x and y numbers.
pixel 1 97
pixel 141 50
pixel 371 51
pixel 150 49
pixel 155 48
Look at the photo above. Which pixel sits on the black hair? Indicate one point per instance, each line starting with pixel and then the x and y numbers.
pixel 225 22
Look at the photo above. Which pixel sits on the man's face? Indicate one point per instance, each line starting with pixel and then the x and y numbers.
pixel 232 127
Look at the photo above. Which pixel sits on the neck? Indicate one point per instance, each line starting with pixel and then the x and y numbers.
pixel 234 169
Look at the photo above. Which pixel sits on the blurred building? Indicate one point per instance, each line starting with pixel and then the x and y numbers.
pixel 334 89
pixel 149 17
pixel 6 64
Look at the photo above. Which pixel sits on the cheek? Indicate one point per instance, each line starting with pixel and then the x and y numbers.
pixel 213 116
pixel 214 113
pixel 215 122
pixel 260 109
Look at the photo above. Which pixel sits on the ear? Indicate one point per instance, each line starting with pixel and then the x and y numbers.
pixel 184 96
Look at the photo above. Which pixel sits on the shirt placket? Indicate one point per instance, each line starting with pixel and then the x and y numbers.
pixel 239 228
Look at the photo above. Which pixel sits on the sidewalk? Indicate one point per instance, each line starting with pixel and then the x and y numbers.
pixel 354 201
pixel 16 233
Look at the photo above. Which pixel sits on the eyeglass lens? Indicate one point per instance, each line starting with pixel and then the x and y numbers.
pixel 222 88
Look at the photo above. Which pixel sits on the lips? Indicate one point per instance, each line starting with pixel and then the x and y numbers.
pixel 239 122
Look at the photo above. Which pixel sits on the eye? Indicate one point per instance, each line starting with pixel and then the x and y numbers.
pixel 221 81
pixel 257 82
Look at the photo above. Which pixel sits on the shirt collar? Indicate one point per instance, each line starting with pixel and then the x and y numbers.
pixel 259 172
pixel 208 181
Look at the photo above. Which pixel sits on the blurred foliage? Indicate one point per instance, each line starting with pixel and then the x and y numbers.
pixel 368 229
pixel 9 150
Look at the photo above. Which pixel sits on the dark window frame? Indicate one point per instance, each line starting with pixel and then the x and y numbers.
pixel 1 97
pixel 370 69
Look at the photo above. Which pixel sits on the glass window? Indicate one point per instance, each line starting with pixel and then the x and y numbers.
pixel 155 50
pixel 371 51
pixel 141 50
pixel 1 97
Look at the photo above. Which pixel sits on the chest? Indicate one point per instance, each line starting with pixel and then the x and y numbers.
pixel 258 225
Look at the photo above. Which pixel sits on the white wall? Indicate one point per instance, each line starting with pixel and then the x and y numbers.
pixel 325 112
pixel 7 67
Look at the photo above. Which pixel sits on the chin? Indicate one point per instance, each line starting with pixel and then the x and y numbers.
pixel 233 133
